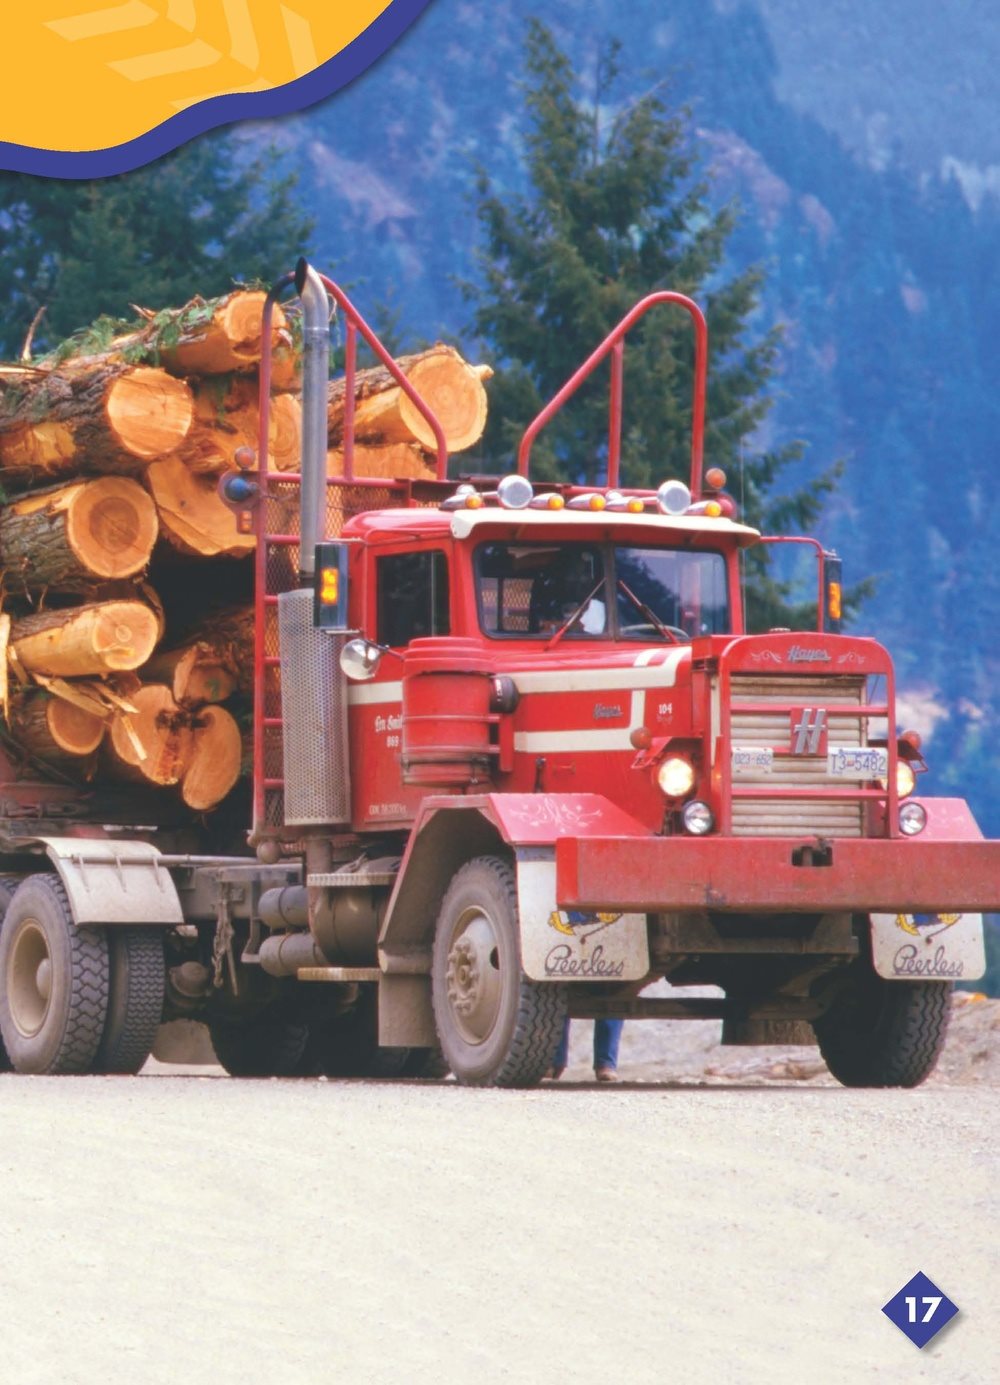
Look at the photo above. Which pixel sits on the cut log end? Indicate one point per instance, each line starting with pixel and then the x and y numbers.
pixel 104 637
pixel 454 391
pixel 193 518
pixel 216 758
pixel 153 743
pixel 112 527
pixel 149 412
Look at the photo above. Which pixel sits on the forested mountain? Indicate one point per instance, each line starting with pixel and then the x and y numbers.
pixel 860 145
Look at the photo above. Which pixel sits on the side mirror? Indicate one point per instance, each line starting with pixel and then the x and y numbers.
pixel 359 660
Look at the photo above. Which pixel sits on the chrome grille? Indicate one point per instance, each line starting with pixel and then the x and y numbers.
pixel 769 817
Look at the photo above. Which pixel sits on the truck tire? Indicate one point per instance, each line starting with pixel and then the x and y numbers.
pixel 138 976
pixel 426 1063
pixel 8 884
pixel 53 981
pixel 882 1033
pixel 272 1044
pixel 346 1044
pixel 495 1027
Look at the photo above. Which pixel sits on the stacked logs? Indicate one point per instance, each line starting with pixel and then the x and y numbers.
pixel 126 632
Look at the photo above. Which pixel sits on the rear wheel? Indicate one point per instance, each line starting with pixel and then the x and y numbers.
pixel 271 1044
pixel 8 884
pixel 135 1003
pixel 53 981
pixel 495 1027
pixel 345 1044
pixel 882 1033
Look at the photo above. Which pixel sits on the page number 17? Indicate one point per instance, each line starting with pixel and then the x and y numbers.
pixel 930 1302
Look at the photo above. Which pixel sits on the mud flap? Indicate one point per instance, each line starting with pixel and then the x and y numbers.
pixel 570 945
pixel 928 947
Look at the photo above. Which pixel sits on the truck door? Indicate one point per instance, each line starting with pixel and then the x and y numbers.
pixel 412 600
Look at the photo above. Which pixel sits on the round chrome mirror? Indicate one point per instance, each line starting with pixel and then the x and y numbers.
pixel 359 660
pixel 673 497
pixel 515 492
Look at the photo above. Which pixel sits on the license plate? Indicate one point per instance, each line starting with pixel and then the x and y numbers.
pixel 858 762
pixel 752 759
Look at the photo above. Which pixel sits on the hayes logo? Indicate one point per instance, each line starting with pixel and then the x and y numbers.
pixel 798 655
pixel 809 731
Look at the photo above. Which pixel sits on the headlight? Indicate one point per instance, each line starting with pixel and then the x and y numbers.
pixel 675 776
pixel 697 817
pixel 912 819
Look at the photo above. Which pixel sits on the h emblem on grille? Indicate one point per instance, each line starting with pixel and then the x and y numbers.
pixel 809 732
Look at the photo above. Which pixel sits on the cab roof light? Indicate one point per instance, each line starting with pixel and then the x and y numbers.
pixel 710 509
pixel 715 478
pixel 591 501
pixel 552 501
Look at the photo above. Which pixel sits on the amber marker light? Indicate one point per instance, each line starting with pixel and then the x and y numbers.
pixel 474 501
pixel 713 509
pixel 548 502
pixel 635 506
pixel 329 591
pixel 597 502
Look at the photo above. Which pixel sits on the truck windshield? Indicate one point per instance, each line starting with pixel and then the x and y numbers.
pixel 531 590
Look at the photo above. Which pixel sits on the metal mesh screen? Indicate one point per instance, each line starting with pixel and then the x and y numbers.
pixel 314 708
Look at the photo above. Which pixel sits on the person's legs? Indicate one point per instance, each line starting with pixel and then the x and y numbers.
pixel 562 1054
pixel 607 1037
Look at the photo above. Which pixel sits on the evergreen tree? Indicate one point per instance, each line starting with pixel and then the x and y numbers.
pixel 616 209
pixel 211 213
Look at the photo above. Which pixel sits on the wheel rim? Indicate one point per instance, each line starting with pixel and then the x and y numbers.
pixel 474 981
pixel 29 988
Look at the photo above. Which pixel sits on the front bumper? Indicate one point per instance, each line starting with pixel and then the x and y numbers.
pixel 750 875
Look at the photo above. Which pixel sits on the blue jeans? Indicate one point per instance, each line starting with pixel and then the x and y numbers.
pixel 607 1037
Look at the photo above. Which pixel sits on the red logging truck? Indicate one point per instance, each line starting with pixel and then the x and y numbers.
pixel 516 758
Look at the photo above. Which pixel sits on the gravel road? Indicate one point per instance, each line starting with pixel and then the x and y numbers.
pixel 201 1229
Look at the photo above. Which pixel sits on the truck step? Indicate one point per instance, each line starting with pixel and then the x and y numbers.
pixel 338 973
pixel 345 880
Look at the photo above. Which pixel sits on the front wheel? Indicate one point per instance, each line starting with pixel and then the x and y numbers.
pixel 882 1033
pixel 495 1026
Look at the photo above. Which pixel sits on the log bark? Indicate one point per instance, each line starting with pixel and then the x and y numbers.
pixel 151 745
pixel 394 461
pixel 104 417
pixel 451 388
pixel 215 761
pixel 75 537
pixel 193 518
pixel 195 674
pixel 219 336
pixel 228 420
pixel 54 730
pixel 102 637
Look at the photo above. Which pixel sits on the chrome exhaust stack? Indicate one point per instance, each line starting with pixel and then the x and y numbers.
pixel 315 376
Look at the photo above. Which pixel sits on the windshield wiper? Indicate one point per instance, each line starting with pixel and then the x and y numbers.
pixel 575 616
pixel 667 631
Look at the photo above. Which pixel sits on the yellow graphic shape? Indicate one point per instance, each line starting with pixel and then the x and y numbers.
pixel 83 76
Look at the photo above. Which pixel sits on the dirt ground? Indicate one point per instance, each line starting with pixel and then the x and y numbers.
pixel 711 1219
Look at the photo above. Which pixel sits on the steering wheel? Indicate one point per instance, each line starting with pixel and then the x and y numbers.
pixel 677 635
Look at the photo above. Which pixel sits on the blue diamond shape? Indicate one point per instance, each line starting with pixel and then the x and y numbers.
pixel 920 1309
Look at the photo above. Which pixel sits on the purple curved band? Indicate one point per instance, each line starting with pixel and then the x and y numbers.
pixel 366 49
